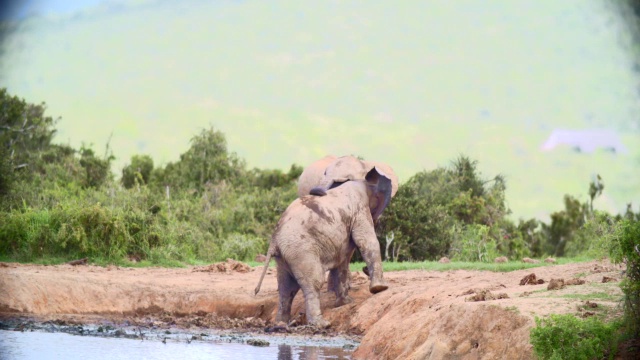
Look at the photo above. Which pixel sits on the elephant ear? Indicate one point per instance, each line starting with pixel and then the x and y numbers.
pixel 381 189
pixel 387 171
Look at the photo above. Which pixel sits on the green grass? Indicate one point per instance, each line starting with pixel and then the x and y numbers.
pixel 461 265
pixel 593 296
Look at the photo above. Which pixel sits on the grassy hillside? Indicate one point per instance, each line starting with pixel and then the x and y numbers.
pixel 288 82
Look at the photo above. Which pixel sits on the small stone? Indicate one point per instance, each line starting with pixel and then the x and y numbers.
pixel 501 259
pixel 257 342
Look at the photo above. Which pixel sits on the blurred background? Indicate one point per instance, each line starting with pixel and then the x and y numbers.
pixel 545 92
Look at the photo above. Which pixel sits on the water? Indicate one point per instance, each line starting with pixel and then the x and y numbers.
pixel 16 345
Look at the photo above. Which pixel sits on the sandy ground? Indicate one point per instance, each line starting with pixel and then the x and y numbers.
pixel 423 315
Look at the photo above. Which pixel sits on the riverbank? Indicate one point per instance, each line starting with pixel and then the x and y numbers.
pixel 424 313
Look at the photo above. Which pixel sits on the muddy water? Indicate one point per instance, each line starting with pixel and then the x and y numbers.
pixel 122 343
pixel 16 345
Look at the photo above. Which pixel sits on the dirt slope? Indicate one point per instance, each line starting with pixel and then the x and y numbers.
pixel 423 315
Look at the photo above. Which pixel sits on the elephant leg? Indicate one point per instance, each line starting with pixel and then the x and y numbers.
pixel 310 276
pixel 287 289
pixel 342 286
pixel 341 277
pixel 364 236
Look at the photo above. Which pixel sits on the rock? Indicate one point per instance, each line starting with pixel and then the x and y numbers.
pixel 574 282
pixel 444 260
pixel 600 268
pixel 555 284
pixel 485 295
pixel 257 342
pixel 530 260
pixel 501 259
pixel 550 260
pixel 531 280
pixel 227 267
pixel 606 279
pixel 590 304
pixel 260 258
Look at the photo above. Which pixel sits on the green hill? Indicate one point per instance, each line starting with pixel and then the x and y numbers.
pixel 413 85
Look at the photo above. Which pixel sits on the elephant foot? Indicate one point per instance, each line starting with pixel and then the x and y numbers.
pixel 320 323
pixel 344 301
pixel 378 286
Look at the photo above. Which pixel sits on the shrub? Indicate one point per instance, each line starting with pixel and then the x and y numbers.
pixel 626 249
pixel 564 225
pixel 240 247
pixel 474 244
pixel 433 208
pixel 206 161
pixel 595 237
pixel 567 337
pixel 138 172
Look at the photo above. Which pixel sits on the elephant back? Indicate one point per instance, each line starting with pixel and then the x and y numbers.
pixel 313 175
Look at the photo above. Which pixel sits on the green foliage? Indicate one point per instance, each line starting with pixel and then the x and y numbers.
pixel 566 337
pixel 435 209
pixel 595 237
pixel 626 249
pixel 206 161
pixel 25 132
pixel 240 247
pixel 564 224
pixel 97 171
pixel 474 244
pixel 138 172
pixel 24 129
pixel 268 179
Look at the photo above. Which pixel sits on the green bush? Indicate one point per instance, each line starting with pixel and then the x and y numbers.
pixel 564 225
pixel 474 244
pixel 626 249
pixel 138 172
pixel 567 337
pixel 240 247
pixel 435 208
pixel 595 237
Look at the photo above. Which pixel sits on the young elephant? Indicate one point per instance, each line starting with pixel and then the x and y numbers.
pixel 320 233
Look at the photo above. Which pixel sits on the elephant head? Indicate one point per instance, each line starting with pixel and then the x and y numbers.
pixel 331 171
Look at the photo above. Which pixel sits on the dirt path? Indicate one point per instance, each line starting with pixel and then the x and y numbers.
pixel 424 314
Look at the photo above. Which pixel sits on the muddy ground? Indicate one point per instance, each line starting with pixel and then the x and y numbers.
pixel 424 314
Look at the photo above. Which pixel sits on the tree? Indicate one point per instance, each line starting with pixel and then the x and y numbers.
pixel 206 161
pixel 138 171
pixel 25 131
pixel 433 209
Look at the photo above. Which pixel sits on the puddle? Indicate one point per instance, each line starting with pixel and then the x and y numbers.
pixel 52 341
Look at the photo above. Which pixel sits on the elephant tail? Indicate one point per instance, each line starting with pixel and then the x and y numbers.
pixel 264 271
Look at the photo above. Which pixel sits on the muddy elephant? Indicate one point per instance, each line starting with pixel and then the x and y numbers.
pixel 316 234
pixel 331 171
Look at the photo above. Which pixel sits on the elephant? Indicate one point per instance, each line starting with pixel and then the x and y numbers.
pixel 320 233
pixel 331 171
